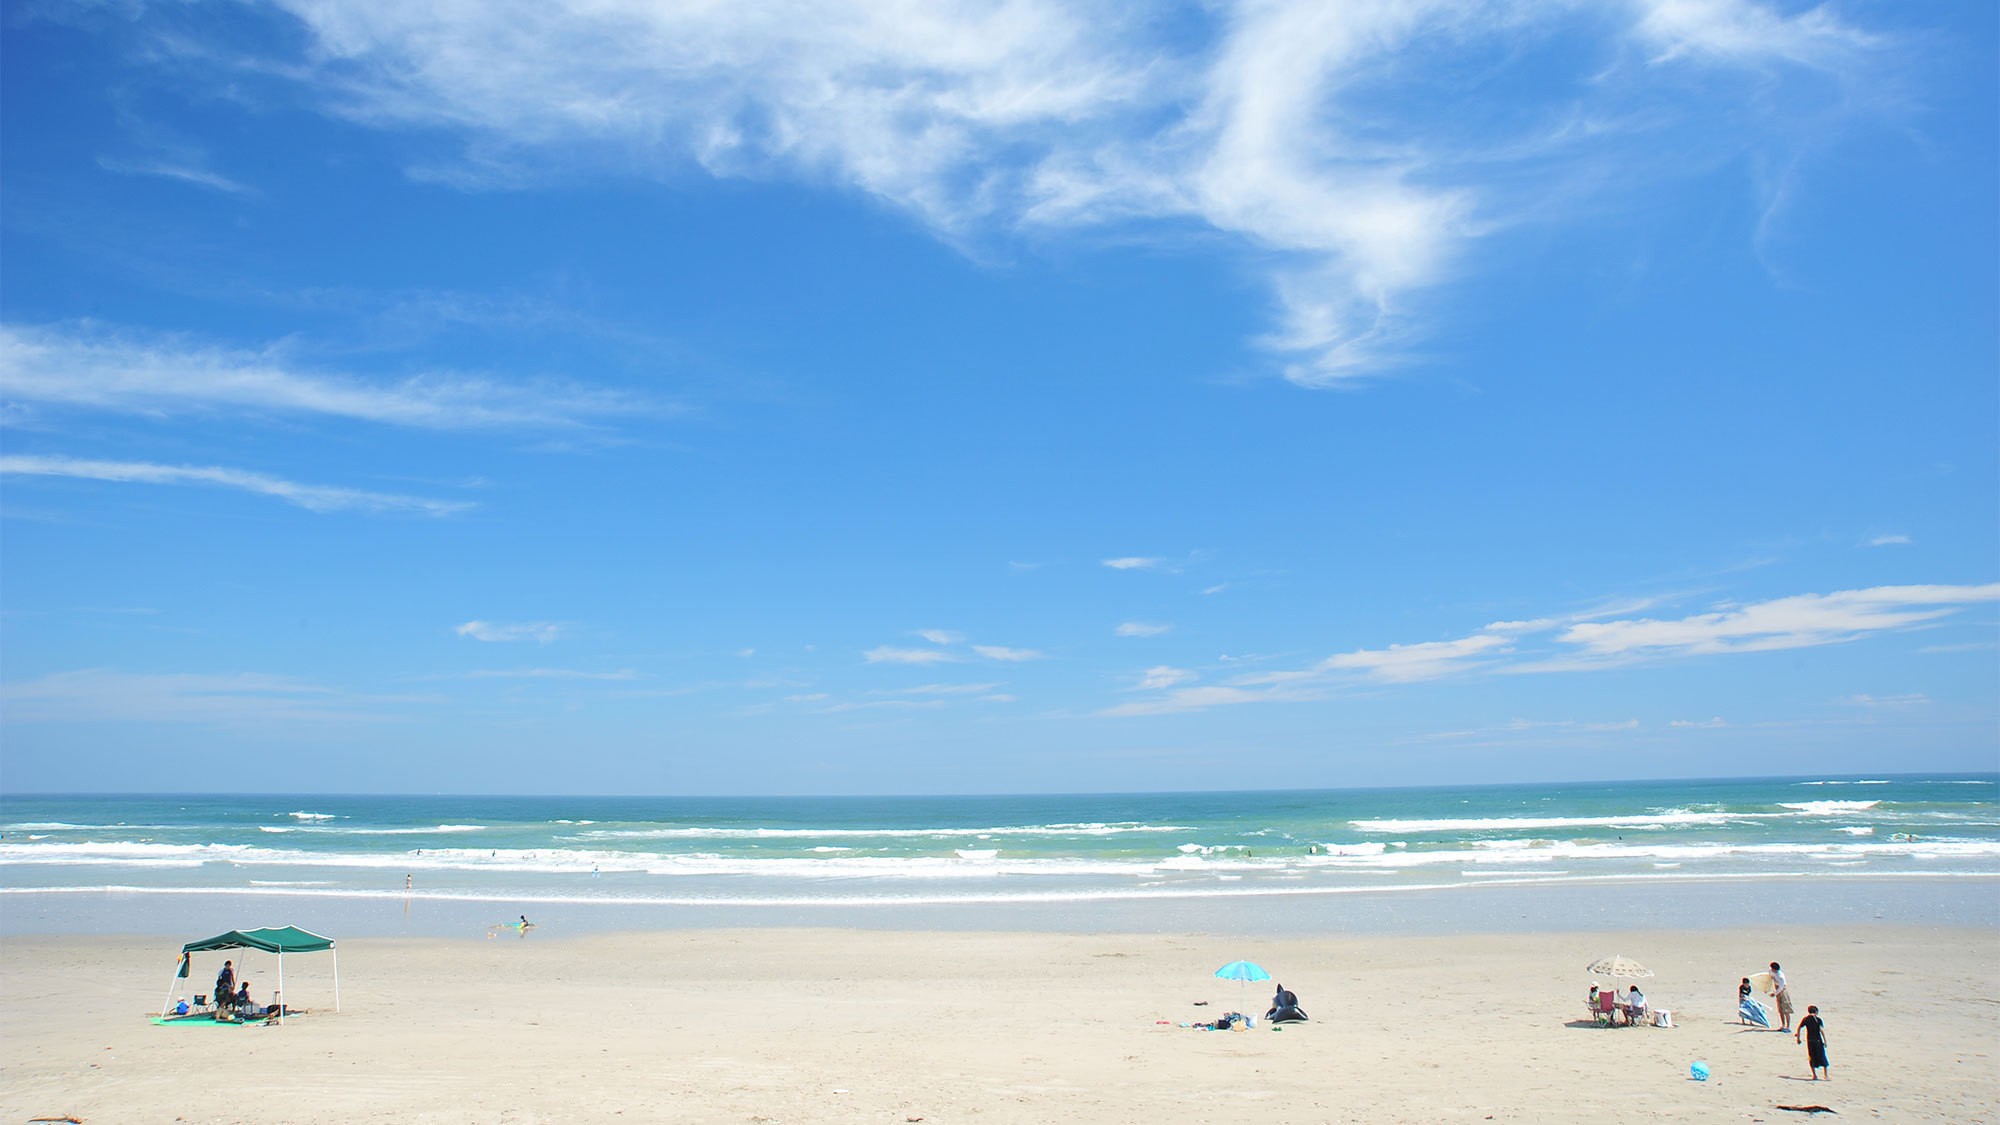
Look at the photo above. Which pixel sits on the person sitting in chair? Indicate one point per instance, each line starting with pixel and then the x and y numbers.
pixel 1635 1007
pixel 245 1007
pixel 1285 1007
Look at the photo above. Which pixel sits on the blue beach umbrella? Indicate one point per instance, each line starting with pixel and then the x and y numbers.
pixel 1242 972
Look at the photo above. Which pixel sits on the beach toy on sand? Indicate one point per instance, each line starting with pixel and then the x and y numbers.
pixel 1698 1071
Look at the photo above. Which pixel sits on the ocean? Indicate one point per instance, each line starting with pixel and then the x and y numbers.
pixel 1923 845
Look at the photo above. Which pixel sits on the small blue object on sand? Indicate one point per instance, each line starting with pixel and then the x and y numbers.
pixel 1698 1071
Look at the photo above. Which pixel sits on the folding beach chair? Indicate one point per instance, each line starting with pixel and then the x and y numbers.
pixel 1607 1007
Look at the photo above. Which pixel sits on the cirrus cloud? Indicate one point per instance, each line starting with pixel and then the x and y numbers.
pixel 495 632
pixel 1587 641
pixel 312 497
pixel 1274 124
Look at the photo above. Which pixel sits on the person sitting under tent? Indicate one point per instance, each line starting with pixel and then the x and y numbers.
pixel 1285 1007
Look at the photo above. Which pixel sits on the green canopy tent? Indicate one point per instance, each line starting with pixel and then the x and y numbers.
pixel 272 939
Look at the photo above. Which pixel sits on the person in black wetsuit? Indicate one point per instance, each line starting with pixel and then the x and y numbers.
pixel 1285 1007
pixel 1814 1029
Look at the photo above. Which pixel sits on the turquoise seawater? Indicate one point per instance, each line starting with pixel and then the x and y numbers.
pixel 679 852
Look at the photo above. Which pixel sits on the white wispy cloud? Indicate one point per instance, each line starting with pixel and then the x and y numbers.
pixel 313 497
pixel 889 654
pixel 1009 655
pixel 1715 723
pixel 1569 643
pixel 1518 728
pixel 496 632
pixel 1721 31
pixel 1801 621
pixel 1906 699
pixel 1162 676
pixel 1889 541
pixel 1284 125
pixel 941 636
pixel 1426 660
pixel 91 368
pixel 549 674
pixel 189 172
pixel 1141 629
pixel 1134 562
pixel 1182 700
pixel 107 695
pixel 939 689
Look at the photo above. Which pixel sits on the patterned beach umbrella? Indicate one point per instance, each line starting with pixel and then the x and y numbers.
pixel 1616 966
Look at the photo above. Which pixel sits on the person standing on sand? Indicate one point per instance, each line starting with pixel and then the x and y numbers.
pixel 1814 1029
pixel 225 985
pixel 1784 997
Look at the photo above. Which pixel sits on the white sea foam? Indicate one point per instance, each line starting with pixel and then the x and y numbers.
pixel 50 826
pixel 1858 830
pixel 356 830
pixel 1627 856
pixel 693 833
pixel 1828 808
pixel 1522 824
pixel 1370 848
pixel 312 816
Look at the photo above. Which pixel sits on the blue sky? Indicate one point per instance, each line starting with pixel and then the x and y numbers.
pixel 952 397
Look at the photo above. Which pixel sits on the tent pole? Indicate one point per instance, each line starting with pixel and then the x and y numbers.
pixel 173 986
pixel 336 979
pixel 281 986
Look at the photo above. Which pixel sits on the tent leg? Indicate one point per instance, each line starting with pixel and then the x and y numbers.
pixel 336 980
pixel 173 986
pixel 281 986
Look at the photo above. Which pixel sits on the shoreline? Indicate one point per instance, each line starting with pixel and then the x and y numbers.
pixel 815 1024
pixel 1608 903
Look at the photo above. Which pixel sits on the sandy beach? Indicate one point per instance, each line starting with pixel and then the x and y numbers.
pixel 791 1025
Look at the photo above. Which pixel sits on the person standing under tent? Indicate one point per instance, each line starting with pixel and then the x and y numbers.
pixel 225 986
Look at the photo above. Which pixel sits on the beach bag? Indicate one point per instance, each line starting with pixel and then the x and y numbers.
pixel 1663 1018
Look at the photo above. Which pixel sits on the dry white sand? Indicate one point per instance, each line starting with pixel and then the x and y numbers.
pixel 787 1025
